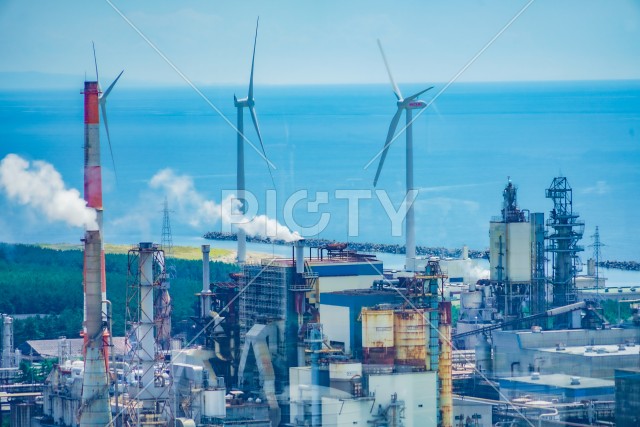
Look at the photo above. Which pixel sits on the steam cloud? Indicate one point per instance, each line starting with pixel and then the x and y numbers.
pixel 40 186
pixel 193 206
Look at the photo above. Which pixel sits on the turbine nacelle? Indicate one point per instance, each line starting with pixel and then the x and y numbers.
pixel 414 105
pixel 243 102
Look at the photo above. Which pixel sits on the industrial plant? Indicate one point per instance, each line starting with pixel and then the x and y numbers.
pixel 330 337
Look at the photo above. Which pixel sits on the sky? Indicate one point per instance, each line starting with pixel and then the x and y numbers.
pixel 327 42
pixel 209 43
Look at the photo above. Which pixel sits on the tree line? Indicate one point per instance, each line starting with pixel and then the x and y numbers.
pixel 48 282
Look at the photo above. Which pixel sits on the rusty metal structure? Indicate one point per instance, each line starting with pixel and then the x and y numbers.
pixel 378 340
pixel 445 366
pixel 410 334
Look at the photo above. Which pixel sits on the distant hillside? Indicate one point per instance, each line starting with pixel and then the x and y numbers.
pixel 49 281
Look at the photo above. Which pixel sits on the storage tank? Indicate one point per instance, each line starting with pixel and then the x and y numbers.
pixel 346 377
pixel 213 403
pixel 409 328
pixel 185 422
pixel 377 336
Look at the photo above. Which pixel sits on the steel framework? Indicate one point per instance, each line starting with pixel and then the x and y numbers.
pixel 565 231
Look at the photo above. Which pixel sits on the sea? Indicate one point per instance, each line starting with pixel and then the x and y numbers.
pixel 322 142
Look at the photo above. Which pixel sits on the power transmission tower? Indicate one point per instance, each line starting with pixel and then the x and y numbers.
pixel 597 244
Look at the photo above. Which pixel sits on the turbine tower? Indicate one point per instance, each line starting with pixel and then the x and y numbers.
pixel 240 104
pixel 95 409
pixel 406 105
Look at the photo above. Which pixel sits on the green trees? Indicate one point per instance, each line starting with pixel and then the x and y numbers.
pixel 48 282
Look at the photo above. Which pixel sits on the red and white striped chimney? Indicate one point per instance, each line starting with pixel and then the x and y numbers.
pixel 93 169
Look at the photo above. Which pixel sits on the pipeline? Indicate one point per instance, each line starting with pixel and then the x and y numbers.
pixel 444 365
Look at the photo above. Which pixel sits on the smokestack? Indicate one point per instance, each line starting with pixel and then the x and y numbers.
pixel 93 169
pixel 7 342
pixel 206 281
pixel 205 268
pixel 465 252
pixel 144 331
pixel 299 245
pixel 95 409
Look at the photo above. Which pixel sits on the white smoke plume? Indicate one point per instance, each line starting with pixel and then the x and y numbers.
pixel 197 210
pixel 476 272
pixel 40 186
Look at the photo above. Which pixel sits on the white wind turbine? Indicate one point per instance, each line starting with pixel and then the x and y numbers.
pixel 240 104
pixel 102 99
pixel 407 105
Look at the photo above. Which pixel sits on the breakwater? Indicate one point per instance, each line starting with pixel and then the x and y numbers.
pixel 621 265
pixel 357 246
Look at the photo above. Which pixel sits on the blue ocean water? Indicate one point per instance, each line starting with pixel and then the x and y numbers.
pixel 320 138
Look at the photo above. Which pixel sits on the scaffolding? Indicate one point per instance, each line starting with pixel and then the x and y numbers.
pixel 565 231
pixel 263 295
pixel 149 375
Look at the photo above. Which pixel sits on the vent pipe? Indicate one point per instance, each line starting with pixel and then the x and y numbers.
pixel 206 281
pixel 299 245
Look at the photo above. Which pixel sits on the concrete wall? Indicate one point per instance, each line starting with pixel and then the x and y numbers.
pixel 345 412
pixel 516 249
pixel 341 283
pixel 420 408
pixel 336 324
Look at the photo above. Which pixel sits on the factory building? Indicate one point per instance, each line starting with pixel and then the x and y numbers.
pixel 580 352
pixel 395 338
pixel 340 313
pixel 516 256
pixel 279 297
pixel 627 397
pixel 516 285
pixel 558 388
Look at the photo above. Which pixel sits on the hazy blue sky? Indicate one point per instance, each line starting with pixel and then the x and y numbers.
pixel 324 41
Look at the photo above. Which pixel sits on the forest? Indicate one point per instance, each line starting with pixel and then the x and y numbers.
pixel 48 282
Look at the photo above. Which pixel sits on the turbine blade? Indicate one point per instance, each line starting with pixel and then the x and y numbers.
pixel 415 95
pixel 385 149
pixel 396 90
pixel 106 92
pixel 253 59
pixel 254 118
pixel 95 61
pixel 103 110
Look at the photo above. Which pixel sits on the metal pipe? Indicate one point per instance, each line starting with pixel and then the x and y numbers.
pixel 7 342
pixel 566 308
pixel 299 245
pixel 144 331
pixel 113 359
pixel 444 365
pixel 205 305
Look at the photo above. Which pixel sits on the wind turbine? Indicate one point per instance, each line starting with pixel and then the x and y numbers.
pixel 241 104
pixel 406 105
pixel 102 100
